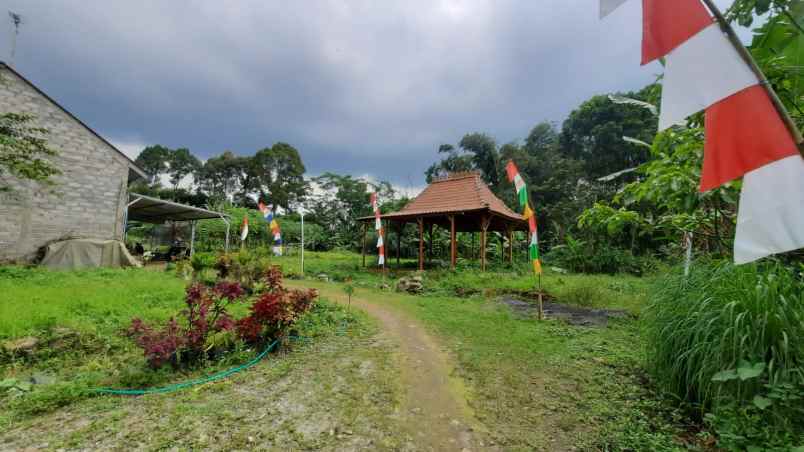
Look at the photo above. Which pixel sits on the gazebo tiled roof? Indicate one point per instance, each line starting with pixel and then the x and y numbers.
pixel 453 194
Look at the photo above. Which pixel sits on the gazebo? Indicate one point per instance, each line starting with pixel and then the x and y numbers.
pixel 459 202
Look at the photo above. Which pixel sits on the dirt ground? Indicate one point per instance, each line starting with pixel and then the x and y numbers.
pixel 392 389
pixel 435 412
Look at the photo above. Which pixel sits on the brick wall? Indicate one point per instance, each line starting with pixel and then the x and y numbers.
pixel 88 198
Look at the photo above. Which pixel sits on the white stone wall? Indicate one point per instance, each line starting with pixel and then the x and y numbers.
pixel 88 198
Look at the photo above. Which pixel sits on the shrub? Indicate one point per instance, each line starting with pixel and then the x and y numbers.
pixel 582 256
pixel 206 328
pixel 274 310
pixel 728 339
pixel 186 342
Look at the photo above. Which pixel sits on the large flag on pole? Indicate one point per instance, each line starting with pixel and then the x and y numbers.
pixel 522 193
pixel 378 228
pixel 748 133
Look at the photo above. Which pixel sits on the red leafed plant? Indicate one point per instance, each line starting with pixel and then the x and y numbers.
pixel 205 314
pixel 272 311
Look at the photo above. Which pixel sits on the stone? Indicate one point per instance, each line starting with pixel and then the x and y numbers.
pixel 22 346
pixel 412 285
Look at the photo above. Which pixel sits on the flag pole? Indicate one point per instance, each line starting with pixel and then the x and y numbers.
pixel 541 299
pixel 763 81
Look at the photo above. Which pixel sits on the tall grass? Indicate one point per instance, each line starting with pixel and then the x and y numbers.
pixel 718 317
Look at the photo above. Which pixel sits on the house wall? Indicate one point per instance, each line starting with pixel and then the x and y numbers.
pixel 87 200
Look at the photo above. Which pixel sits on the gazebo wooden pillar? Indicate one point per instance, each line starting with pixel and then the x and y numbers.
pixel 399 242
pixel 363 246
pixel 420 222
pixel 453 246
pixel 430 245
pixel 485 221
pixel 510 246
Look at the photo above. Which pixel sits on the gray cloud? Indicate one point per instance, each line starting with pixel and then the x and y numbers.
pixel 360 86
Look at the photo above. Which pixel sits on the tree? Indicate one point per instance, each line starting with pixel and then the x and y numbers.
pixel 154 161
pixel 278 173
pixel 454 162
pixel 478 152
pixel 181 163
pixel 594 132
pixel 219 176
pixel 340 202
pixel 24 152
pixel 485 158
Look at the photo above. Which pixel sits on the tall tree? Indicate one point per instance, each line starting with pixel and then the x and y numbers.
pixel 485 158
pixel 278 173
pixel 452 163
pixel 219 176
pixel 154 161
pixel 594 132
pixel 24 152
pixel 181 163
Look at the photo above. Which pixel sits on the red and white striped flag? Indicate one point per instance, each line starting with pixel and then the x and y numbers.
pixel 378 227
pixel 746 135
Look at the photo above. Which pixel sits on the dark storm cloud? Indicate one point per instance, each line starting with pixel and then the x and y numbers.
pixel 364 87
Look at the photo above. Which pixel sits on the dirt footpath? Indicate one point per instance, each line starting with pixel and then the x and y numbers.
pixel 435 412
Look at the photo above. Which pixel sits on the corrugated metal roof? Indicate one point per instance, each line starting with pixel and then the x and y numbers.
pixel 154 210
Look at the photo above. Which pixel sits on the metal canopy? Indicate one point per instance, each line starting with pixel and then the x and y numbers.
pixel 154 210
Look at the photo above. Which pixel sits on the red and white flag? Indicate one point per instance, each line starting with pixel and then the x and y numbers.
pixel 378 227
pixel 746 135
pixel 244 229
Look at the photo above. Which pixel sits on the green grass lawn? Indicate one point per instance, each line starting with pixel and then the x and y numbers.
pixel 624 292
pixel 93 301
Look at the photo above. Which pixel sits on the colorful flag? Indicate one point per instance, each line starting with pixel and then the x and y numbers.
pixel 746 135
pixel 244 229
pixel 378 228
pixel 273 227
pixel 522 191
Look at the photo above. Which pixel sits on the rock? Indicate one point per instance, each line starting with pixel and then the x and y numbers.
pixel 42 379
pixel 323 277
pixel 412 284
pixel 21 346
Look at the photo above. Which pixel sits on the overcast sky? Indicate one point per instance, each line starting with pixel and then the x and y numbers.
pixel 364 87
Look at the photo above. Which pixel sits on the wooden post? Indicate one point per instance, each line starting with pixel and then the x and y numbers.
pixel 473 254
pixel 420 221
pixel 510 246
pixel 484 226
pixel 363 248
pixel 430 244
pixel 399 241
pixel 452 250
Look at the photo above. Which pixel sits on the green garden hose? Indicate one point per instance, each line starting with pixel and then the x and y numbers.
pixel 190 383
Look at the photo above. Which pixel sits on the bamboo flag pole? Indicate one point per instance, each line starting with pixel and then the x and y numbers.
pixel 749 59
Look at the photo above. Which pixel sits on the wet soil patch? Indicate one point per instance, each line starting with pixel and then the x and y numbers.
pixel 574 315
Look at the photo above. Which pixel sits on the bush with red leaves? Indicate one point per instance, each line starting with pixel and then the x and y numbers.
pixel 205 314
pixel 272 311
